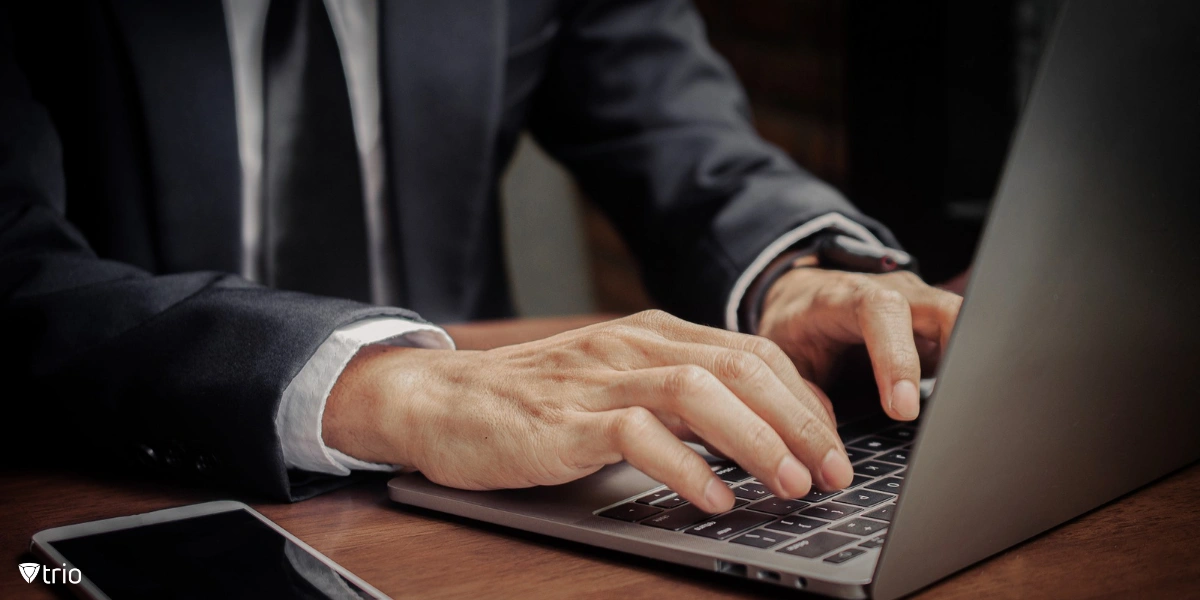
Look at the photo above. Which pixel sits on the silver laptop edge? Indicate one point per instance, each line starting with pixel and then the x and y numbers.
pixel 1072 377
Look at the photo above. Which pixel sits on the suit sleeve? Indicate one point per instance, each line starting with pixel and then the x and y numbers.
pixel 656 128
pixel 108 364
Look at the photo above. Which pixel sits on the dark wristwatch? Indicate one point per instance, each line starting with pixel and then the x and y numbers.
pixel 833 251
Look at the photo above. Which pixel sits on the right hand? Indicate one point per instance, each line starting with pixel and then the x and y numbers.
pixel 555 410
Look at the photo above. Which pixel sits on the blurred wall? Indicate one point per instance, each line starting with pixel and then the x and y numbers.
pixel 543 227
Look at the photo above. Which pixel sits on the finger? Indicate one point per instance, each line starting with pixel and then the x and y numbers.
pixel 733 400
pixel 885 320
pixel 934 315
pixel 934 311
pixel 638 437
pixel 722 419
pixel 820 394
pixel 679 330
pixel 809 430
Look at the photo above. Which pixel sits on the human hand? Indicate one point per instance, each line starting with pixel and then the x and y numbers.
pixel 557 409
pixel 814 315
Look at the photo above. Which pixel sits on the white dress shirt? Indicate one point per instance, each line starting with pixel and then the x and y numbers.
pixel 355 26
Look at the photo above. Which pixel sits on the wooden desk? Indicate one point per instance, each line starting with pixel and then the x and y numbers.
pixel 1142 545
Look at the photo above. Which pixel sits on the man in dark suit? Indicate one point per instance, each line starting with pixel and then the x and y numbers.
pixel 211 211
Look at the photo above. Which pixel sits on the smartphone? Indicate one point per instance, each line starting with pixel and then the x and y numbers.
pixel 222 549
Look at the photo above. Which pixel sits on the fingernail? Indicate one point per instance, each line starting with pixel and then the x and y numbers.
pixel 906 400
pixel 715 493
pixel 836 469
pixel 793 477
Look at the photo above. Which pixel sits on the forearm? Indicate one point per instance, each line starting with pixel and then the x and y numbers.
pixel 663 141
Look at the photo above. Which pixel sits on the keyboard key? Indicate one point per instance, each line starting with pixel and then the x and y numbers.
pixel 883 514
pixel 873 468
pixel 873 543
pixel 794 524
pixel 684 516
pixel 903 433
pixel 731 473
pixel 778 506
pixel 817 544
pixel 864 498
pixel 762 538
pixel 816 495
pixel 858 480
pixel 876 444
pixel 857 455
pixel 899 457
pixel 844 555
pixel 830 511
pixel 890 485
pixel 729 524
pixel 671 502
pixel 656 496
pixel 631 511
pixel 862 427
pixel 860 527
pixel 751 491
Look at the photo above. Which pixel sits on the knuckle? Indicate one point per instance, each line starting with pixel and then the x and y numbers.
pixel 684 381
pixel 736 365
pixel 857 282
pixel 907 360
pixel 654 317
pixel 763 443
pixel 811 433
pixel 765 348
pixel 683 465
pixel 623 332
pixel 884 296
pixel 599 342
pixel 884 300
pixel 633 423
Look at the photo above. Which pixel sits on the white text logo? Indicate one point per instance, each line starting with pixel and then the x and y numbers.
pixel 64 575
pixel 29 571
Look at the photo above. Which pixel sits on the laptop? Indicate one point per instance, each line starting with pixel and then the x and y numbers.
pixel 1073 375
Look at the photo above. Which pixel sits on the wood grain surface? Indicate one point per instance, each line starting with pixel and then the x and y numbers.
pixel 1143 545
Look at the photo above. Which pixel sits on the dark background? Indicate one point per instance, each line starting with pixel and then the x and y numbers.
pixel 906 107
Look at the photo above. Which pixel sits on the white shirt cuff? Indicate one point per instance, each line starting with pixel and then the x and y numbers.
pixel 298 422
pixel 825 222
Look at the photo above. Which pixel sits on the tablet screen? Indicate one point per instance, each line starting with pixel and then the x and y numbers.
pixel 225 555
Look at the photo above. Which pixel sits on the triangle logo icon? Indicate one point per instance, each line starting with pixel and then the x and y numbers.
pixel 29 571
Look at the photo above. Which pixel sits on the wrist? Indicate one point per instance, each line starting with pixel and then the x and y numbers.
pixel 373 403
pixel 765 290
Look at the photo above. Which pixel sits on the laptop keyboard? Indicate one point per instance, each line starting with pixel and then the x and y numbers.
pixel 836 527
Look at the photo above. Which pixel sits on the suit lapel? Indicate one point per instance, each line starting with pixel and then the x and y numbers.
pixel 441 69
pixel 181 63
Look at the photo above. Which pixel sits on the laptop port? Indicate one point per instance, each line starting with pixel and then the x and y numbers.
pixel 801 583
pixel 771 576
pixel 731 568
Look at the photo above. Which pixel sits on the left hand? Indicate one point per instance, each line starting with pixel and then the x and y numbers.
pixel 814 315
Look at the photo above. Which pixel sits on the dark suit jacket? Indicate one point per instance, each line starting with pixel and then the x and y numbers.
pixel 120 202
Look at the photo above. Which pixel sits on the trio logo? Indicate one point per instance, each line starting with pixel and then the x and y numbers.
pixel 29 571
